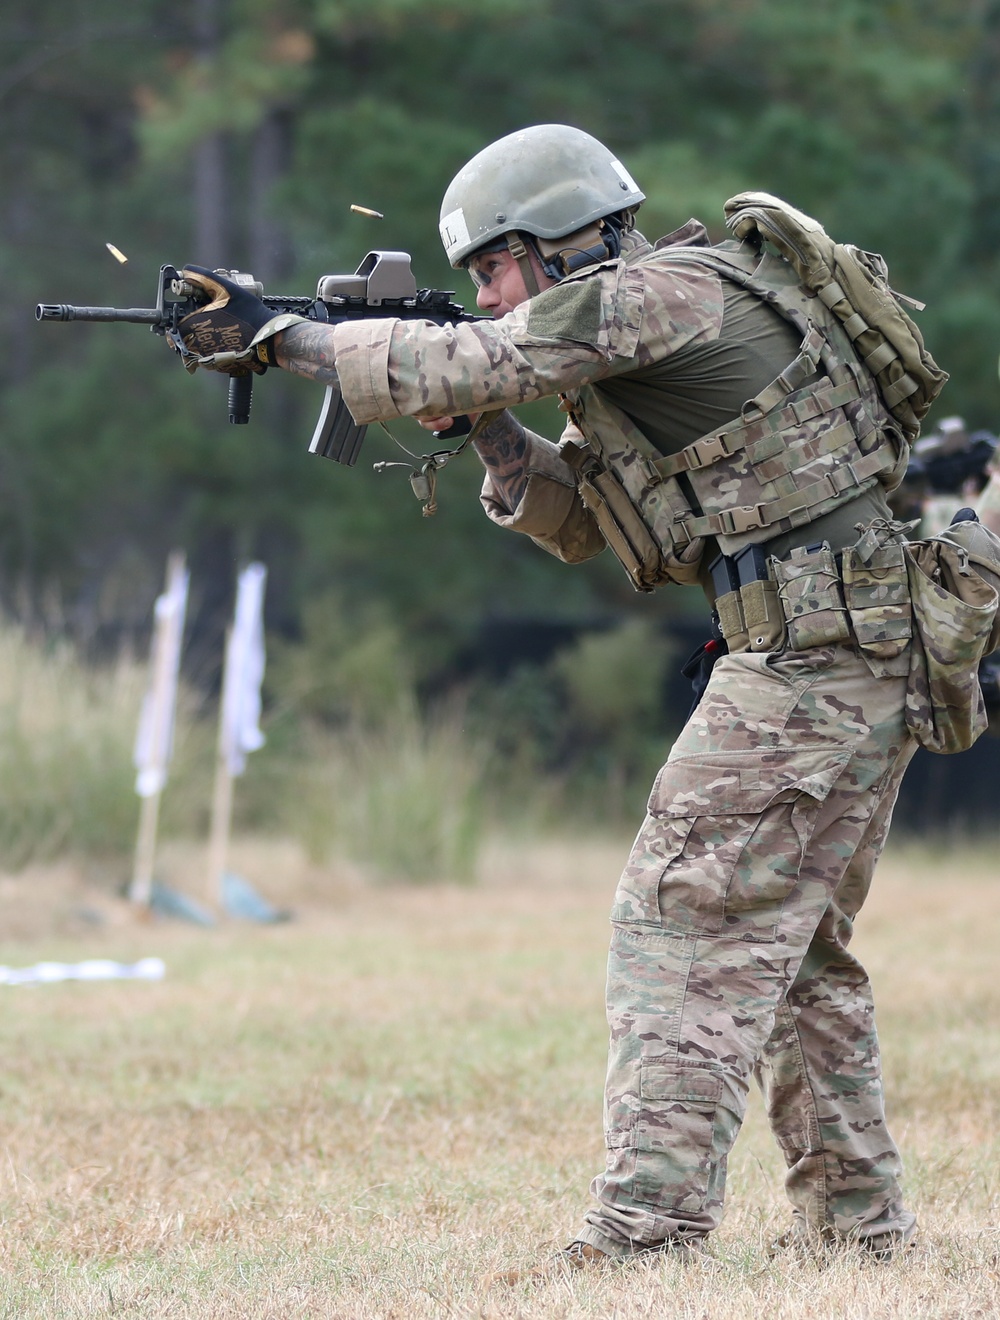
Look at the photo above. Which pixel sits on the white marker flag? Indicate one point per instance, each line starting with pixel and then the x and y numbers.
pixel 240 728
pixel 154 742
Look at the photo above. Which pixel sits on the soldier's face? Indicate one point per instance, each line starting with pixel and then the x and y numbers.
pixel 500 283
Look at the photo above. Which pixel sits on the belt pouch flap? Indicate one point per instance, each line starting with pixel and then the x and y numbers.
pixel 730 611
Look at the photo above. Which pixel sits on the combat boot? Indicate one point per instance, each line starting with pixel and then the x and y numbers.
pixel 577 1256
pixel 584 1256
pixel 822 1244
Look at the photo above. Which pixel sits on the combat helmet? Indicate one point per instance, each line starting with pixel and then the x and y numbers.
pixel 549 181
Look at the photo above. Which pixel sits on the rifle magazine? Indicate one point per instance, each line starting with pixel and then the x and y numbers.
pixel 337 434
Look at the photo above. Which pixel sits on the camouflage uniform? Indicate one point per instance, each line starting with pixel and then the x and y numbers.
pixel 729 953
pixel 732 919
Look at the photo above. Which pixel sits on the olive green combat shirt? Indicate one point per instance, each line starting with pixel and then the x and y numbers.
pixel 676 347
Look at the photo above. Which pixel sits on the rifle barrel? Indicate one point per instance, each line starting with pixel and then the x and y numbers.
pixel 67 312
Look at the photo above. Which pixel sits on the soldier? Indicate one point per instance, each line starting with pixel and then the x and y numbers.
pixel 955 467
pixel 721 431
pixel 988 503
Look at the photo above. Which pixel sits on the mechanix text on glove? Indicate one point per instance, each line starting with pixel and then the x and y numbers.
pixel 230 330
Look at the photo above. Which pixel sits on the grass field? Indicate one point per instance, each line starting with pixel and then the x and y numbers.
pixel 365 1111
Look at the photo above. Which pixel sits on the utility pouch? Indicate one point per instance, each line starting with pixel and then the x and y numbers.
pixel 728 605
pixel 765 622
pixel 621 526
pixel 877 595
pixel 747 602
pixel 812 602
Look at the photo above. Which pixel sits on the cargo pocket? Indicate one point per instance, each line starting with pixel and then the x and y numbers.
pixel 671 1134
pixel 637 898
pixel 745 819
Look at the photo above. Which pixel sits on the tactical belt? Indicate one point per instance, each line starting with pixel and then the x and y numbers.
pixel 730 572
pixel 812 597
pixel 764 603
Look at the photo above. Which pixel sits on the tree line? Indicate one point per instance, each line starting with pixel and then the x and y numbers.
pixel 239 133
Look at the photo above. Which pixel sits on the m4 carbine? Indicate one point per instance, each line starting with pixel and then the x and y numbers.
pixel 382 286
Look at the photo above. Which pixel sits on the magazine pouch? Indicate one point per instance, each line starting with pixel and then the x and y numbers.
pixel 877 596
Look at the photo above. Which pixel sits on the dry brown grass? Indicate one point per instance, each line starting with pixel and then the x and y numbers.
pixel 364 1112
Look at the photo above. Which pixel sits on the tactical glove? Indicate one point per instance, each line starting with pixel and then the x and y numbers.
pixel 232 330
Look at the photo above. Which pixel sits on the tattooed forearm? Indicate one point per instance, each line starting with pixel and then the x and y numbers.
pixel 307 350
pixel 502 445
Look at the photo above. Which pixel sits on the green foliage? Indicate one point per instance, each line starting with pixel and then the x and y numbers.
pixel 591 720
pixel 345 669
pixel 406 800
pixel 684 182
pixel 66 778
pixel 614 679
pixel 399 793
pixel 355 767
pixel 883 120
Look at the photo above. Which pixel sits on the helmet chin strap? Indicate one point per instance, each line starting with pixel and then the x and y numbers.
pixel 518 250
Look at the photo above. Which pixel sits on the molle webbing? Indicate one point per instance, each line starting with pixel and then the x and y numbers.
pixel 747 518
pixel 792 378
pixel 854 286
pixel 724 443
pixel 816 438
pixel 880 357
pixel 818 381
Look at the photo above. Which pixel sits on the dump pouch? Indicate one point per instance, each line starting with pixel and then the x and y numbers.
pixel 808 587
pixel 983 549
pixel 954 612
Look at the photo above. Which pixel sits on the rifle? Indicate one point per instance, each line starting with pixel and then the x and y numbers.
pixel 382 286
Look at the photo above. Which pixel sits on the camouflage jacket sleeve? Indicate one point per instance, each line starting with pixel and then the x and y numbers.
pixel 599 323
pixel 550 511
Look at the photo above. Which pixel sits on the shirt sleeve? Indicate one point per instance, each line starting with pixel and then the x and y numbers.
pixel 580 331
pixel 393 369
pixel 550 510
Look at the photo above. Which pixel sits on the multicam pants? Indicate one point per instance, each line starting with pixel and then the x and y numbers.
pixel 729 955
